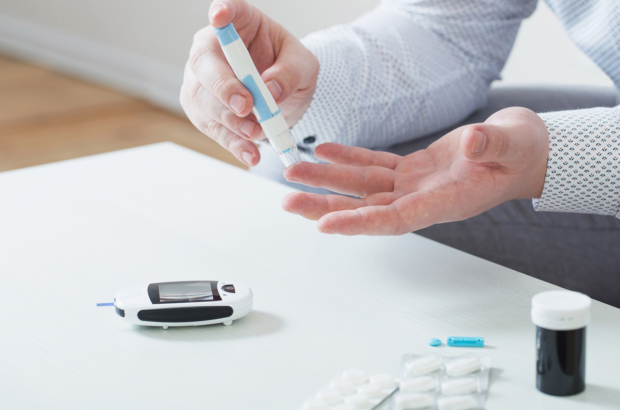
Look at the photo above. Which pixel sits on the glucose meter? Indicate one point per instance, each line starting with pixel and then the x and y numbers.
pixel 188 303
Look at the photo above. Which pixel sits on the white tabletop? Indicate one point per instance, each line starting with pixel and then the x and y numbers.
pixel 73 233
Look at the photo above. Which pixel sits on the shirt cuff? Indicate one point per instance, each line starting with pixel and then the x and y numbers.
pixel 323 120
pixel 583 168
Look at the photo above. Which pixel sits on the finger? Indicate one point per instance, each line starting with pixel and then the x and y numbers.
pixel 516 142
pixel 314 206
pixel 359 157
pixel 370 220
pixel 243 150
pixel 406 214
pixel 210 67
pixel 358 181
pixel 211 107
pixel 295 68
pixel 485 143
pixel 238 12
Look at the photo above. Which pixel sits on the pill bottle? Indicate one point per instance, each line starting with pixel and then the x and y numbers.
pixel 561 318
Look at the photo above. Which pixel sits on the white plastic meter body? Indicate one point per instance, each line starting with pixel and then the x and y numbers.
pixel 188 303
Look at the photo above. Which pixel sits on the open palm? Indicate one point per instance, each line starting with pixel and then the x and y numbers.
pixel 466 172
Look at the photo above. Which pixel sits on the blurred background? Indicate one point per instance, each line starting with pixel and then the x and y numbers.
pixel 81 77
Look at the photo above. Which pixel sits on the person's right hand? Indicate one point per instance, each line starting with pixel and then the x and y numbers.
pixel 218 104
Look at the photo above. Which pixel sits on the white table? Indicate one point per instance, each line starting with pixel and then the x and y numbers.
pixel 72 233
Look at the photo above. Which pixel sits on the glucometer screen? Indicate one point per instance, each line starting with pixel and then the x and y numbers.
pixel 183 292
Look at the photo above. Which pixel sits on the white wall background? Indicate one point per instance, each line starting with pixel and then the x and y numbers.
pixel 543 54
pixel 140 46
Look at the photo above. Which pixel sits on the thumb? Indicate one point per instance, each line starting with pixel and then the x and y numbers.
pixel 295 68
pixel 238 12
pixel 486 143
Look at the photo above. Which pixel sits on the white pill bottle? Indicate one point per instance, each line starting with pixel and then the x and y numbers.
pixel 561 318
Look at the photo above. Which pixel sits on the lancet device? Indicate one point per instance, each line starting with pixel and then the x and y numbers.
pixel 189 303
pixel 265 109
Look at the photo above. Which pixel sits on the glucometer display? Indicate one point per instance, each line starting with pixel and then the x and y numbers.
pixel 173 292
pixel 183 292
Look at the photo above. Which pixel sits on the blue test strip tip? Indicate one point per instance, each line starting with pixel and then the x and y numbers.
pixel 105 304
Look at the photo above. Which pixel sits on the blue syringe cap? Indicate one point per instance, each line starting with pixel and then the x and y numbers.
pixel 226 34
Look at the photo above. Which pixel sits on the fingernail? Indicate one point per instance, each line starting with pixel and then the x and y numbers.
pixel 237 103
pixel 246 127
pixel 480 140
pixel 215 8
pixel 274 89
pixel 291 179
pixel 247 157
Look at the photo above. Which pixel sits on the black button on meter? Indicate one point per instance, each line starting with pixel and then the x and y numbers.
pixel 229 288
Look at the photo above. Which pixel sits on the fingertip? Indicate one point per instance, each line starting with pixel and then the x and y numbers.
pixel 319 151
pixel 255 158
pixel 275 89
pixel 333 223
pixel 220 14
pixel 286 203
pixel 257 133
pixel 247 153
pixel 289 202
pixel 293 174
pixel 285 76
pixel 473 141
pixel 466 141
pixel 323 226
pixel 295 68
pixel 241 102
pixel 289 174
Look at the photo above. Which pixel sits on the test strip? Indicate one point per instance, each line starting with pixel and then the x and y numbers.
pixel 456 341
pixel 105 304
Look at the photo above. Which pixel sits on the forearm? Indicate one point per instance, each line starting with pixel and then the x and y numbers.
pixel 403 71
pixel 374 90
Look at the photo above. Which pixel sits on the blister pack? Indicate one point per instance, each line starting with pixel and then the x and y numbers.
pixel 436 382
pixel 354 390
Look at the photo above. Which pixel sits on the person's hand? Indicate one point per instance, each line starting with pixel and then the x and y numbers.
pixel 463 174
pixel 218 104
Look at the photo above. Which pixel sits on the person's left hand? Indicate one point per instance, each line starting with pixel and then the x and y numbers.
pixel 463 174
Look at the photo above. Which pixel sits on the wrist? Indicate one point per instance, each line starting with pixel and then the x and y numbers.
pixel 538 172
pixel 539 179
